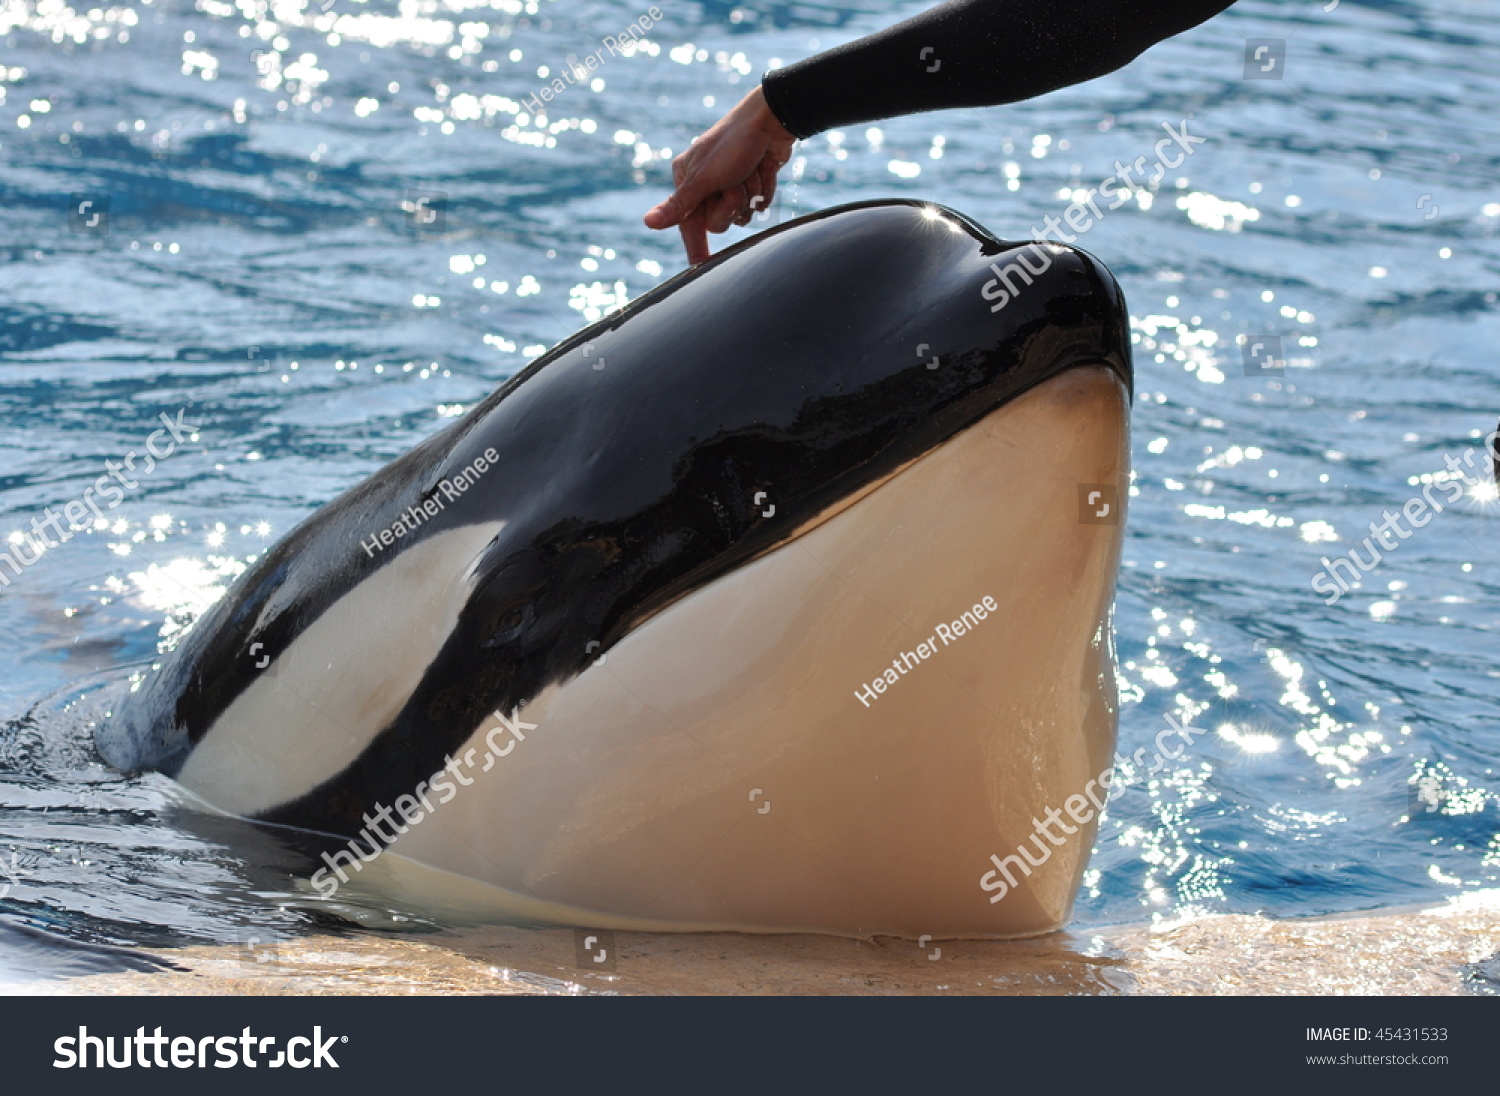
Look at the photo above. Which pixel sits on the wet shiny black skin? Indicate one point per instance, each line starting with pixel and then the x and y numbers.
pixel 792 364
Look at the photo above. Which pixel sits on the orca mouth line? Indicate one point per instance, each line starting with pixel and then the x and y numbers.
pixel 744 404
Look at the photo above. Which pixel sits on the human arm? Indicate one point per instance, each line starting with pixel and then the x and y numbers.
pixel 962 53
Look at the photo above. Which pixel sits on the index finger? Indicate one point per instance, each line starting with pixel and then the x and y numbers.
pixel 694 237
pixel 690 188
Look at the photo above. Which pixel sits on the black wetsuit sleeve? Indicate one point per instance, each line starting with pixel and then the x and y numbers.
pixel 972 53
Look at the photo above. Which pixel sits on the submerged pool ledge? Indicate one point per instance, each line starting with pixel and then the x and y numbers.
pixel 1444 950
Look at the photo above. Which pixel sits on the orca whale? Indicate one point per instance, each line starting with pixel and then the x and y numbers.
pixel 777 601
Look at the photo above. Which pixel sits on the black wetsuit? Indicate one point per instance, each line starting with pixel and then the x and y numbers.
pixel 973 53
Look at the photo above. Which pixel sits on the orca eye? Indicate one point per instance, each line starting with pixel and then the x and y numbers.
pixel 510 597
pixel 510 622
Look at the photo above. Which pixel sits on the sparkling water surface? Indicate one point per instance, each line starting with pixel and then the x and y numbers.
pixel 321 230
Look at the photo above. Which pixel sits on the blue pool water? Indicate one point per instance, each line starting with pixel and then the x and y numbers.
pixel 262 267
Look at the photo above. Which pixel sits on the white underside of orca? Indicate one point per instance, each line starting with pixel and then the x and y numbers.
pixel 718 770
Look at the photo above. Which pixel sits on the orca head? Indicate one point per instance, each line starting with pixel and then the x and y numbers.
pixel 716 418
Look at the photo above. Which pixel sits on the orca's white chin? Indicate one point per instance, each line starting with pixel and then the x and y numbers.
pixel 718 769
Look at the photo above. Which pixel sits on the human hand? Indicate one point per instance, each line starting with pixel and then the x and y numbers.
pixel 723 173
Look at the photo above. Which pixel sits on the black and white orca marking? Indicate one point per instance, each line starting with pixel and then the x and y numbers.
pixel 688 535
